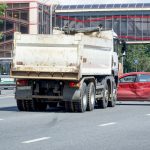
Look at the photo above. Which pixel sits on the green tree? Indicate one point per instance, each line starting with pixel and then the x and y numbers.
pixel 2 10
pixel 137 58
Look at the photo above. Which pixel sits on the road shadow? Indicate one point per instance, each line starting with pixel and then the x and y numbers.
pixel 11 108
pixel 48 110
pixel 137 103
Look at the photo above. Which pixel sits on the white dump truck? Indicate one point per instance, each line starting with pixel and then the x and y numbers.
pixel 76 71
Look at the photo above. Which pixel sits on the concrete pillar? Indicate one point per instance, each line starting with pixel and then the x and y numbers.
pixel 33 18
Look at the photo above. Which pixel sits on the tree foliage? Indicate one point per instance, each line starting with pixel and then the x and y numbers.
pixel 2 9
pixel 137 58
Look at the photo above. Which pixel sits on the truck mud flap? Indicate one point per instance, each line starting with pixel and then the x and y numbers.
pixel 24 92
pixel 71 94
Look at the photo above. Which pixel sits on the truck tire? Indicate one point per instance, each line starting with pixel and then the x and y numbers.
pixel 20 105
pixel 90 96
pixel 28 105
pixel 112 103
pixel 81 106
pixel 39 106
pixel 103 103
pixel 25 105
pixel 69 107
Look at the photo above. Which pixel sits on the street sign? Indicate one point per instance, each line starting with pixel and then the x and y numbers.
pixel 136 61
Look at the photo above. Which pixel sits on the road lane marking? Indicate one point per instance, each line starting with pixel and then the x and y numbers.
pixel 36 140
pixel 11 96
pixel 107 124
pixel 147 114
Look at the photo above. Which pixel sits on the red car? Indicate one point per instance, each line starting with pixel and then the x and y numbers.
pixel 134 86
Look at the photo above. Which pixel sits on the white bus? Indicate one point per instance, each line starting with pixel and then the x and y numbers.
pixel 6 83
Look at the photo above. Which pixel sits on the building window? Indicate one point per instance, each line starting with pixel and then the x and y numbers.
pixel 16 15
pixel 9 25
pixel 24 29
pixel 9 14
pixel 16 19
pixel 44 19
pixel 24 15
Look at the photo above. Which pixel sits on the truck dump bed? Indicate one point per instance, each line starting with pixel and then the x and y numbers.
pixel 61 56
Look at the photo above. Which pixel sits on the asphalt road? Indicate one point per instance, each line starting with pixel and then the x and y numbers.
pixel 125 127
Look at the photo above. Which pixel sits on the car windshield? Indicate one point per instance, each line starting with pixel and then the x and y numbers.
pixel 128 79
pixel 144 78
pixel 5 67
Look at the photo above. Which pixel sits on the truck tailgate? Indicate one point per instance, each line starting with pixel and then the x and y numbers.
pixel 37 57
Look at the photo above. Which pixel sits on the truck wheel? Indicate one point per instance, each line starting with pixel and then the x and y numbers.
pixel 39 106
pixel 81 106
pixel 28 104
pixel 20 105
pixel 112 103
pixel 106 95
pixel 90 96
pixel 69 107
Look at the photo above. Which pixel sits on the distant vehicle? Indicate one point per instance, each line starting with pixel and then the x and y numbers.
pixel 6 83
pixel 134 86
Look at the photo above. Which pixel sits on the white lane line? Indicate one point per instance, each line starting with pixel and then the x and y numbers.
pixel 11 96
pixel 147 114
pixel 36 140
pixel 1 119
pixel 107 124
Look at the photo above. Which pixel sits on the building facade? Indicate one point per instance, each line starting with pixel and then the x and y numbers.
pixel 25 16
pixel 130 21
